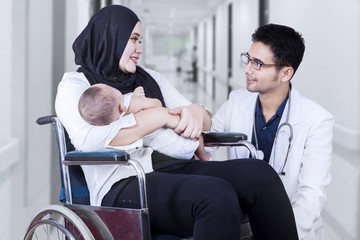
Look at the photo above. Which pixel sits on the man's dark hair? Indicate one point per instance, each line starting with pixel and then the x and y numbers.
pixel 286 44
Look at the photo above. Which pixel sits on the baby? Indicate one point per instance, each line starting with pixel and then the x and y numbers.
pixel 101 104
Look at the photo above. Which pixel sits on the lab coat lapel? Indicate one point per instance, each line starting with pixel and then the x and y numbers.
pixel 245 120
pixel 249 115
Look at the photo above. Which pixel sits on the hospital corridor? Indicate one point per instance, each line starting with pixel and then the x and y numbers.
pixel 203 48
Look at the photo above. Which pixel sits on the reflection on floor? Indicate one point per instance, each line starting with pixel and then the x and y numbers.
pixel 191 90
pixel 196 94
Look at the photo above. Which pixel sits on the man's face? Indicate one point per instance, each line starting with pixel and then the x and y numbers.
pixel 265 80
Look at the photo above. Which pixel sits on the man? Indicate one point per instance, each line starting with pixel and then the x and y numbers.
pixel 293 132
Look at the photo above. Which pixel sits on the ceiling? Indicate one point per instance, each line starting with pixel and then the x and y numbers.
pixel 172 16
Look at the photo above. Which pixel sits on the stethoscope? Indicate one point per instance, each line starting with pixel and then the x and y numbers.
pixel 283 125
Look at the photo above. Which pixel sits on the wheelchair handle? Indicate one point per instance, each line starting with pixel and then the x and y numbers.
pixel 45 120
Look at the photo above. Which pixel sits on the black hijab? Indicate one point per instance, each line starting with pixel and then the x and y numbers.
pixel 100 45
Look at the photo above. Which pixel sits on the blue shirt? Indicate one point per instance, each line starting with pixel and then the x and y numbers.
pixel 265 131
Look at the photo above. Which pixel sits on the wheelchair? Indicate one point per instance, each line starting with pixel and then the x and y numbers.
pixel 77 219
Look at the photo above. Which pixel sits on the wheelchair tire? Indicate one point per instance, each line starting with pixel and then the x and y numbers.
pixel 58 222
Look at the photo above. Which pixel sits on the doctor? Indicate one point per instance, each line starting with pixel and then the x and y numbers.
pixel 293 133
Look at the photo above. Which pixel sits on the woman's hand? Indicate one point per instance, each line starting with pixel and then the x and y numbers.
pixel 193 120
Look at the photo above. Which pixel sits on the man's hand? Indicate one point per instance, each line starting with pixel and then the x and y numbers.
pixel 191 120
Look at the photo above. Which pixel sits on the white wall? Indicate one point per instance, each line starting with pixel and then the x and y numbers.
pixel 330 75
pixel 207 81
pixel 246 20
pixel 201 51
pixel 77 16
pixel 38 82
pixel 7 142
pixel 330 70
pixel 221 52
pixel 26 35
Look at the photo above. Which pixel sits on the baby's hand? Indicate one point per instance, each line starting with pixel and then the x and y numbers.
pixel 139 91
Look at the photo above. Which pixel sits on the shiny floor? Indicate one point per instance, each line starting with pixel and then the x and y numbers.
pixel 195 93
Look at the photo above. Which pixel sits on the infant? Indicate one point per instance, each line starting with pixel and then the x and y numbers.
pixel 101 104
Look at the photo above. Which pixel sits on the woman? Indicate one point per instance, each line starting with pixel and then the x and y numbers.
pixel 205 200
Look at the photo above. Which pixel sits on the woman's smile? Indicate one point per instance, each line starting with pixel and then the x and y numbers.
pixel 134 59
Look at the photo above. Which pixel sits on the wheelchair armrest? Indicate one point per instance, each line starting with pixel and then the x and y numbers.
pixel 109 157
pixel 213 138
pixel 100 157
pixel 229 139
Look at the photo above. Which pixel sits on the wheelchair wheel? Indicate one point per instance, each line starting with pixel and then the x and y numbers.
pixel 58 222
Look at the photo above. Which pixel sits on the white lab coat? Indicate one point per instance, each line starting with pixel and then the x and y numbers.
pixel 308 165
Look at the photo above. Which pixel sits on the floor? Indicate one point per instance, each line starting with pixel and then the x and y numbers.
pixel 191 90
pixel 196 94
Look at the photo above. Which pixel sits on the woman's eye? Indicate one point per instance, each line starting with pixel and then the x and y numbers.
pixel 135 39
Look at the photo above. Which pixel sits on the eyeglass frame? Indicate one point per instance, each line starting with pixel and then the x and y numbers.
pixel 255 61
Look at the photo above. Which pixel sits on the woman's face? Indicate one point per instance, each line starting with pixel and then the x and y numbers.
pixel 132 51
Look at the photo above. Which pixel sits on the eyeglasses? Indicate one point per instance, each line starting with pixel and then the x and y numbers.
pixel 255 64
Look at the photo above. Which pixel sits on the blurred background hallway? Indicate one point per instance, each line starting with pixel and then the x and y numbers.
pixel 35 46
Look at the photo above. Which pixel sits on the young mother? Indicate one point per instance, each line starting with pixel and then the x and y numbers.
pixel 205 200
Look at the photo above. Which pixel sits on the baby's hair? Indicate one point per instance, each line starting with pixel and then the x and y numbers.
pixel 96 107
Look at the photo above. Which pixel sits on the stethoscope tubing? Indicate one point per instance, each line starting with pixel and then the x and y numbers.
pixel 282 125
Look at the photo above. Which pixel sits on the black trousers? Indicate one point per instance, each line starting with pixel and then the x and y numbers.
pixel 207 200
